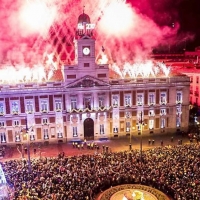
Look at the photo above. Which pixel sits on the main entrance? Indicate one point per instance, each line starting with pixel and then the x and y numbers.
pixel 89 129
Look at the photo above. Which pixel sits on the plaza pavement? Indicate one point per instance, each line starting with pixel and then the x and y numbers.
pixel 114 145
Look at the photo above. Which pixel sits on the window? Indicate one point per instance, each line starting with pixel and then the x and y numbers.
pixel 3 137
pixel 29 106
pixel 162 111
pixel 128 126
pixel 73 103
pixel 191 79
pixel 32 136
pixel 163 98
pixel 75 132
pixel 101 128
pixel 151 123
pixel 60 135
pixel 127 100
pixel 197 79
pixel 2 124
pixel 163 122
pixel 17 136
pixel 16 122
pixel 140 100
pixel 115 100
pixel 87 102
pixel 179 97
pixel 178 121
pixel 178 110
pixel 44 121
pixel 58 105
pixel 151 98
pixel 151 113
pixel 101 102
pixel 44 105
pixel 1 108
pixel 128 115
pixel 115 130
pixel 46 133
pixel 86 64
pixel 15 107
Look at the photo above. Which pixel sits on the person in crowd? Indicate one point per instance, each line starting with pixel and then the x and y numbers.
pixel 175 170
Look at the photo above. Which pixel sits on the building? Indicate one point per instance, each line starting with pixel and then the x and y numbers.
pixel 93 101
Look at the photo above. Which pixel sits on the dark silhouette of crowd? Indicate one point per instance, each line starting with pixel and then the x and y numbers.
pixel 175 170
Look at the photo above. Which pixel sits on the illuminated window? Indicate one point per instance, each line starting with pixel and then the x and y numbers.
pixel 101 101
pixel 15 107
pixel 151 123
pixel 178 111
pixel 60 135
pixel 87 102
pixel 44 121
pixel 140 99
pixel 163 98
pixel 115 100
pixel 3 137
pixel 127 100
pixel 115 130
pixel 163 120
pixel 58 105
pixel 1 108
pixel 29 106
pixel 178 121
pixel 128 126
pixel 73 103
pixel 16 122
pixel 75 132
pixel 44 105
pixel 101 128
pixel 2 124
pixel 17 136
pixel 179 97
pixel 162 111
pixel 151 99
pixel 46 133
pixel 32 136
pixel 128 115
pixel 151 113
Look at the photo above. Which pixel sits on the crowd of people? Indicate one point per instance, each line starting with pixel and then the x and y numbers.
pixel 175 170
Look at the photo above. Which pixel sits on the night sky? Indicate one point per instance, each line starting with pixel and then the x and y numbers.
pixel 183 13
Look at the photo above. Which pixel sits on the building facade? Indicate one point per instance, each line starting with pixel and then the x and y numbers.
pixel 90 104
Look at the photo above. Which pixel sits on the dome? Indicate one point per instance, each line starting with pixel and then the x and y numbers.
pixel 83 18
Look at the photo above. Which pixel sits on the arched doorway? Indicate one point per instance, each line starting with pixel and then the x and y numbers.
pixel 89 129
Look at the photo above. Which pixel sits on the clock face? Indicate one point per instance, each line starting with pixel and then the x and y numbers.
pixel 86 50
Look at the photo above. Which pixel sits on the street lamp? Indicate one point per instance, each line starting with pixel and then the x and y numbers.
pixel 141 124
pixel 27 131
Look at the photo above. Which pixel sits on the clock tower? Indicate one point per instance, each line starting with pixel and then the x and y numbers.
pixel 85 53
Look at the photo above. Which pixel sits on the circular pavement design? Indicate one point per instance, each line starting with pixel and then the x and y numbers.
pixel 132 192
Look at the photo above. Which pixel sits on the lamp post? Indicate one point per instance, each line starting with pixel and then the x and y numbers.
pixel 141 124
pixel 27 129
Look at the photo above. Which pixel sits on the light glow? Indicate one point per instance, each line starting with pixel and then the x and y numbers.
pixel 144 69
pixel 37 16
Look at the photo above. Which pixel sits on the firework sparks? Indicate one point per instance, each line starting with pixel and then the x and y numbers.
pixel 42 31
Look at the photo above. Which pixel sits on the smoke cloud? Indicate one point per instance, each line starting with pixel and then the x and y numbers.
pixel 32 29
